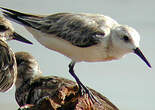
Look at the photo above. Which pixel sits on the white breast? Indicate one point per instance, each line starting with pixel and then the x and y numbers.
pixel 89 54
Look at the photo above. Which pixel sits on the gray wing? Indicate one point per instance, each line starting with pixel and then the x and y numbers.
pixel 8 70
pixel 79 29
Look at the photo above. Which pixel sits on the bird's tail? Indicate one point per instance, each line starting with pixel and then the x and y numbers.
pixel 20 18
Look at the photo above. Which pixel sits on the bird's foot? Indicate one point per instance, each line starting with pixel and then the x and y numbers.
pixel 84 90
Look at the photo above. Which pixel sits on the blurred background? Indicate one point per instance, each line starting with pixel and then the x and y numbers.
pixel 128 82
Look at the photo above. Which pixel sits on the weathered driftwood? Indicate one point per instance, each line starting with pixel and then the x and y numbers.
pixel 66 97
pixel 37 92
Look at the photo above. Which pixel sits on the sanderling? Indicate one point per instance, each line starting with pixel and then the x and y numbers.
pixel 28 70
pixel 7 31
pixel 81 37
pixel 8 67
pixel 32 87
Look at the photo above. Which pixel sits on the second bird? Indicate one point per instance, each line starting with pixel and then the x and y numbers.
pixel 81 37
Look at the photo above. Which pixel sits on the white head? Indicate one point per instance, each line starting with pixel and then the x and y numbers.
pixel 125 40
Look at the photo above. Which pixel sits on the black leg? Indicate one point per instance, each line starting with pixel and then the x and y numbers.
pixel 82 88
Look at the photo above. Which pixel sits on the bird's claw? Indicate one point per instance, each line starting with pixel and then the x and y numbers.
pixel 84 90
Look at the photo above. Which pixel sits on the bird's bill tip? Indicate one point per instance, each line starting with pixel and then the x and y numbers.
pixel 138 52
pixel 18 37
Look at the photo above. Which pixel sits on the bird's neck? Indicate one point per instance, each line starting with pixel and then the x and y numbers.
pixel 113 52
pixel 27 77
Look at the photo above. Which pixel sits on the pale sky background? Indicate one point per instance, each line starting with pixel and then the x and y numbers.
pixel 128 82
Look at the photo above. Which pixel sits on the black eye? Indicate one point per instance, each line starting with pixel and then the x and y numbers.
pixel 3 28
pixel 126 38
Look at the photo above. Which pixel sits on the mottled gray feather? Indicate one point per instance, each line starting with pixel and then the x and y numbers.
pixel 8 70
pixel 80 30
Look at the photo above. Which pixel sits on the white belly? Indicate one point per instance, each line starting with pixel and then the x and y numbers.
pixel 89 54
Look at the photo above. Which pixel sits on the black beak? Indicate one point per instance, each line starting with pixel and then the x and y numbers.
pixel 140 54
pixel 18 37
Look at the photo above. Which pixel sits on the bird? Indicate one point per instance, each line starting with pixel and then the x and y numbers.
pixel 8 67
pixel 7 32
pixel 35 90
pixel 28 70
pixel 82 37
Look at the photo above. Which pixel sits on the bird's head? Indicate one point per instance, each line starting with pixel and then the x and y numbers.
pixel 126 40
pixel 7 32
pixel 27 67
